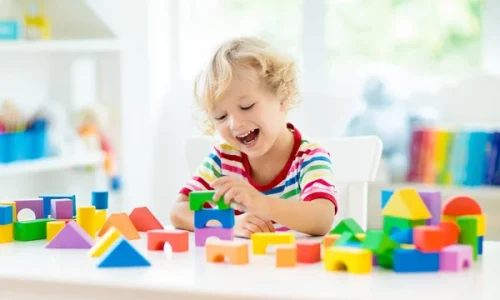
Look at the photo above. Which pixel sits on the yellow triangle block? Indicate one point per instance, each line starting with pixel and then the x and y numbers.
pixel 104 242
pixel 406 204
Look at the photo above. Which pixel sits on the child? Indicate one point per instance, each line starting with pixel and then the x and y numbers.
pixel 264 167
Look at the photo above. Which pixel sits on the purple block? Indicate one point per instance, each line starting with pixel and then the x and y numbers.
pixel 36 205
pixel 374 260
pixel 455 258
pixel 432 200
pixel 72 236
pixel 202 234
pixel 61 209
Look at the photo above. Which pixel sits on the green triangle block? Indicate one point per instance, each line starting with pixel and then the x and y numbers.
pixel 348 225
pixel 345 239
pixel 378 242
pixel 123 254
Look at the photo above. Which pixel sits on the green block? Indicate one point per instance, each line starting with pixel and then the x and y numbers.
pixel 346 238
pixel 347 225
pixel 468 233
pixel 198 198
pixel 31 230
pixel 385 260
pixel 378 242
pixel 392 222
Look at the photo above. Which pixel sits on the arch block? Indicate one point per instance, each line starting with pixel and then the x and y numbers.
pixel 261 240
pixel 237 253
pixel 225 217
pixel 354 260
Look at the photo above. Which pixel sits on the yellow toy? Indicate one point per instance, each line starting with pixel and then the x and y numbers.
pixel 53 228
pixel 108 239
pixel 100 218
pixel 7 233
pixel 405 209
pixel 261 240
pixel 85 217
pixel 354 260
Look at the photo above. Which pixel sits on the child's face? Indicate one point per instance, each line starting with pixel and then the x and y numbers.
pixel 250 117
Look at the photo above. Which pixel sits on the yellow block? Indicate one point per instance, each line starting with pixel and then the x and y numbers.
pixel 261 240
pixel 7 233
pixel 53 228
pixel 85 217
pixel 360 236
pixel 354 260
pixel 449 218
pixel 407 246
pixel 100 218
pixel 481 224
pixel 104 242
pixel 13 204
pixel 406 204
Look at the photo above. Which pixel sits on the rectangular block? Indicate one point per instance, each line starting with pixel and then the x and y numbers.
pixel 5 214
pixel 36 205
pixel 468 233
pixel 202 234
pixel 31 230
pixel 14 210
pixel 6 233
pixel 455 258
pixel 47 199
pixel 61 209
pixel 225 217
pixel 412 260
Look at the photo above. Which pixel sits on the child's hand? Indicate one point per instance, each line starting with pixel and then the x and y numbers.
pixel 249 223
pixel 242 193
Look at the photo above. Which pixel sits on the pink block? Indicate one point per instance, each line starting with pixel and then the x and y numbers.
pixel 36 205
pixel 455 258
pixel 202 234
pixel 61 209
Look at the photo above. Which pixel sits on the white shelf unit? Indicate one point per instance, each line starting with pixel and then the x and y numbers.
pixel 54 46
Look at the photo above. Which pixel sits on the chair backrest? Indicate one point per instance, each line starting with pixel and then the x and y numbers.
pixel 355 161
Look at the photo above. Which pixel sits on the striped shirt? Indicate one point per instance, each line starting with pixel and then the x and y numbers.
pixel 308 174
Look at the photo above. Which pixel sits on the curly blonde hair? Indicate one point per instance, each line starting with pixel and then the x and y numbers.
pixel 276 72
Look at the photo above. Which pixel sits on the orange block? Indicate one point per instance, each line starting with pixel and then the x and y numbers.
pixel 461 206
pixel 216 251
pixel 178 239
pixel 144 220
pixel 308 251
pixel 123 224
pixel 451 232
pixel 286 255
pixel 329 239
pixel 428 238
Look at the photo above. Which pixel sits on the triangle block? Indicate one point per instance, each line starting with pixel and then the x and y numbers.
pixel 123 224
pixel 72 236
pixel 144 220
pixel 406 204
pixel 123 254
pixel 103 244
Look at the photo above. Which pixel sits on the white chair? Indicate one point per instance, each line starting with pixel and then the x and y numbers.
pixel 355 161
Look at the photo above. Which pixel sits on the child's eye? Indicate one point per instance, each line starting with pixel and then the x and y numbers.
pixel 247 107
pixel 220 118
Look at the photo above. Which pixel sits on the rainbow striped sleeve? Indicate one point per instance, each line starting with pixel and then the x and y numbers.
pixel 316 175
pixel 207 172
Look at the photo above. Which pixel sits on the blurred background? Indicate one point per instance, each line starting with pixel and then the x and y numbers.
pixel 98 94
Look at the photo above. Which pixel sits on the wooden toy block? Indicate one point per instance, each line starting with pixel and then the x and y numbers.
pixel 14 209
pixel 216 251
pixel 202 234
pixel 378 242
pixel 100 218
pixel 47 202
pixel 72 236
pixel 53 228
pixel 407 204
pixel 392 223
pixel 85 217
pixel 455 258
pixel 480 241
pixel 61 209
pixel 6 215
pixel 7 233
pixel 286 256
pixel 413 260
pixel 402 236
pixel 428 238
pixel 308 251
pixel 122 254
pixel 349 225
pixel 261 240
pixel 354 260
pixel 36 205
pixel 468 233
pixel 460 206
pixel 330 239
pixel 31 230
pixel 103 244
pixel 451 232
pixel 144 220
pixel 123 224
pixel 178 239
pixel 100 200
pixel 225 217
pixel 198 198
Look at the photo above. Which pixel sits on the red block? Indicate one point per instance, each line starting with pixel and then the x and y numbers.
pixel 144 220
pixel 461 206
pixel 178 239
pixel 451 232
pixel 428 238
pixel 308 251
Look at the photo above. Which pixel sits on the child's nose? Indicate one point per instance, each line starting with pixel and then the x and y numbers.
pixel 235 123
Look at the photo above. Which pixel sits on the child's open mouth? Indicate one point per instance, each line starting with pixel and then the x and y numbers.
pixel 248 137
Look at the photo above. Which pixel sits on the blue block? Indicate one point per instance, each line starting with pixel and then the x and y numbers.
pixel 224 216
pixel 412 260
pixel 6 214
pixel 10 29
pixel 47 203
pixel 100 200
pixel 480 245
pixel 386 195
pixel 402 236
pixel 123 254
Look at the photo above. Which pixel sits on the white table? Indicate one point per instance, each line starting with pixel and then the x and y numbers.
pixel 29 271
